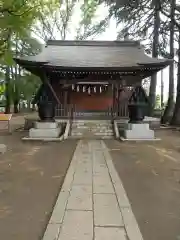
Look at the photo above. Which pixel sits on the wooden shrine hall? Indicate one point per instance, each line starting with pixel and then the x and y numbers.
pixel 91 76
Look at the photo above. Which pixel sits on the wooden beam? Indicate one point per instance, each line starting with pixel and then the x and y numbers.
pixel 46 80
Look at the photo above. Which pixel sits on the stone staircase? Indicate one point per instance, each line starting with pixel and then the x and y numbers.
pixel 97 129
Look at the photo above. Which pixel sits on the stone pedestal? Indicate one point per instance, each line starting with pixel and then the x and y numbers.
pixel 45 130
pixel 138 131
pixel 46 125
pixel 3 148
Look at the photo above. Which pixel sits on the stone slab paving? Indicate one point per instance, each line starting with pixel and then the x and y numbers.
pixel 92 204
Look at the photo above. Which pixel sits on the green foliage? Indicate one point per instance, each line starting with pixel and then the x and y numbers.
pixel 19 19
pixel 136 21
pixel 55 20
pixel 22 82
pixel 27 86
pixel 156 22
pixel 2 88
pixel 88 26
pixel 16 16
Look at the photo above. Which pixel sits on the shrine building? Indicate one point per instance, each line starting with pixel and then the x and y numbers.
pixel 95 77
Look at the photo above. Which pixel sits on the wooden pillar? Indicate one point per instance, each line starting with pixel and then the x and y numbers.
pixel 120 89
pixel 47 82
pixel 65 96
pixel 68 95
pixel 114 89
pixel 114 93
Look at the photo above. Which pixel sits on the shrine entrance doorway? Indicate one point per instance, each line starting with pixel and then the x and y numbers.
pixel 92 100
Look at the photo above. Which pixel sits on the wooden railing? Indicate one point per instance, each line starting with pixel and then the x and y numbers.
pixel 70 111
pixel 64 111
pixel 93 114
pixel 71 117
pixel 121 110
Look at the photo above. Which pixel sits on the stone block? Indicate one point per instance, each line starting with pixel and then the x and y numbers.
pixel 103 188
pixel 92 129
pixel 131 226
pixel 103 233
pixel 3 148
pixel 69 178
pixel 80 198
pixel 59 209
pixel 104 133
pixel 83 179
pixel 52 232
pixel 138 131
pixel 77 225
pixel 44 133
pixel 137 126
pixel 107 211
pixel 46 125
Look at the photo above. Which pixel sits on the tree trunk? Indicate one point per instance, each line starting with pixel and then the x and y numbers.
pixel 16 104
pixel 162 90
pixel 176 115
pixel 16 89
pixel 170 104
pixel 7 92
pixel 152 92
pixel 15 95
pixel 7 79
pixel 28 105
pixel 16 98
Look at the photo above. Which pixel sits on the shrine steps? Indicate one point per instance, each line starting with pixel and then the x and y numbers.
pixel 92 129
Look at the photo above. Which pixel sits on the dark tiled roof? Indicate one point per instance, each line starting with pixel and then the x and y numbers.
pixel 97 54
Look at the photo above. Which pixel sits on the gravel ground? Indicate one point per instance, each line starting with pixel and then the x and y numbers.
pixel 31 175
pixel 150 173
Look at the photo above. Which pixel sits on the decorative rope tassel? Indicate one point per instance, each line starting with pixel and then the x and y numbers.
pixel 78 88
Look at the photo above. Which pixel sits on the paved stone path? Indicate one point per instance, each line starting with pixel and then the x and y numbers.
pixel 92 204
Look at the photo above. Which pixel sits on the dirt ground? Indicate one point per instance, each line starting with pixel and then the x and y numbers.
pixel 17 121
pixel 150 173
pixel 31 175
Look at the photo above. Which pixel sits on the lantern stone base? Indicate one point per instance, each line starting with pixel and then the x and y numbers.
pixel 45 130
pixel 138 131
pixel 3 148
pixel 46 125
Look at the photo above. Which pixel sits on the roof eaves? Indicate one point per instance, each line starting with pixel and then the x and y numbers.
pixel 126 43
pixel 24 61
pixel 157 62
